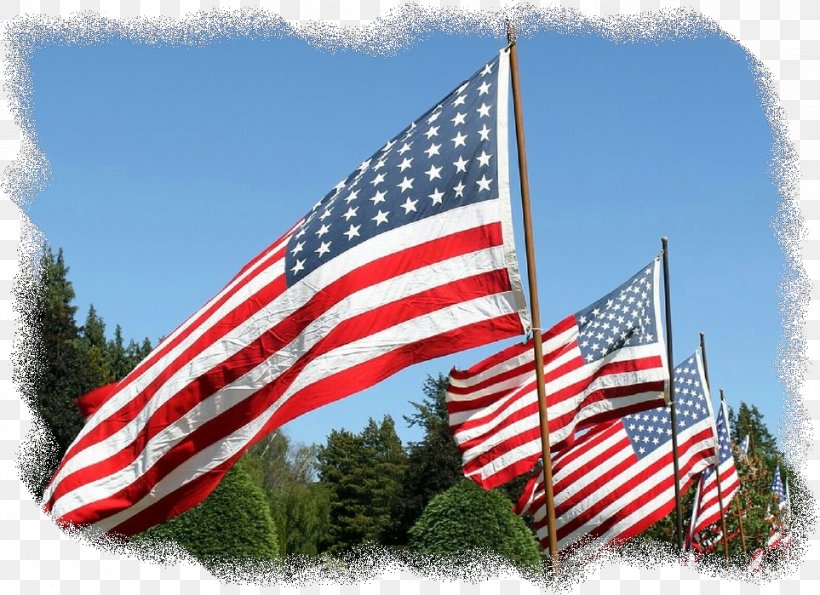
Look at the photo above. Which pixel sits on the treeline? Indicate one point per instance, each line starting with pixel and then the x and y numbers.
pixel 285 499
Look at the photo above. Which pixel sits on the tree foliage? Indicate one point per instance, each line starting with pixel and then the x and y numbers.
pixel 232 523
pixel 467 517
pixel 363 474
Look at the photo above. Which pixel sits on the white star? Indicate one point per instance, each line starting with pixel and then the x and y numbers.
pixel 380 218
pixel 351 212
pixel 460 101
pixel 323 249
pixel 297 248
pixel 379 164
pixel 388 146
pixel 484 159
pixel 405 184
pixel 300 264
pixel 484 88
pixel 352 196
pixel 483 183
pixel 459 189
pixel 458 140
pixel 432 150
pixel 487 70
pixel 352 232
pixel 484 133
pixel 364 165
pixel 483 111
pixel 405 164
pixel 405 147
pixel 431 132
pixel 325 214
pixel 459 119
pixel 434 116
pixel 409 205
pixel 377 180
pixel 322 231
pixel 436 196
pixel 461 165
pixel 434 172
pixel 378 197
pixel 302 231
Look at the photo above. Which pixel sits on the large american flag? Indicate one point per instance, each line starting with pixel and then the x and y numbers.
pixel 408 258
pixel 706 510
pixel 618 480
pixel 600 363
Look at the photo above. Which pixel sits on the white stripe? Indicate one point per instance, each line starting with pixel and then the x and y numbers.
pixel 247 332
pixel 429 277
pixel 212 456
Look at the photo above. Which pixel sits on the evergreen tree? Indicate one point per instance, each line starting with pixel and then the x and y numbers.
pixel 118 361
pixel 466 517
pixel 363 474
pixel 434 463
pixel 97 369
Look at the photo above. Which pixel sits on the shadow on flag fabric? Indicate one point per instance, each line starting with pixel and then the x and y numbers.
pixel 600 363
pixel 617 480
pixel 408 258
pixel 706 510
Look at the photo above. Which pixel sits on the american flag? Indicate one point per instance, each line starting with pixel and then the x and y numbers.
pixel 706 509
pixel 600 363
pixel 408 258
pixel 618 480
pixel 744 447
pixel 780 493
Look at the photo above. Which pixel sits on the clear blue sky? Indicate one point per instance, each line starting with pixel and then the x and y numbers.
pixel 173 166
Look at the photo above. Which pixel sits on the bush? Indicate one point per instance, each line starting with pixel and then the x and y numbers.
pixel 467 517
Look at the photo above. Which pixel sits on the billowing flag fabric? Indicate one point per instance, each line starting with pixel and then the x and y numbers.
pixel 706 509
pixel 600 363
pixel 410 257
pixel 617 481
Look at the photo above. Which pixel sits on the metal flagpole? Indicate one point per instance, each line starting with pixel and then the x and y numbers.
pixel 737 503
pixel 679 522
pixel 536 316
pixel 717 463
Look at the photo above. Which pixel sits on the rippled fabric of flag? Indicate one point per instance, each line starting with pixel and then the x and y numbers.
pixel 707 507
pixel 617 481
pixel 600 363
pixel 408 258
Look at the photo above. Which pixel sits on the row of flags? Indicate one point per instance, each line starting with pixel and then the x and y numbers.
pixel 411 257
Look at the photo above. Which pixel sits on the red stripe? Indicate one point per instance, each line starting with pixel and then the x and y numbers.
pixel 284 332
pixel 362 325
pixel 525 368
pixel 510 352
pixel 329 389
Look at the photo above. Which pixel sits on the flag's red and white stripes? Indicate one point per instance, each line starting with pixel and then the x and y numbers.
pixel 602 491
pixel 493 406
pixel 261 353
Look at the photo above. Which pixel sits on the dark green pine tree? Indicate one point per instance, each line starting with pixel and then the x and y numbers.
pixel 55 382
pixel 749 421
pixel 117 361
pixel 363 474
pixel 434 463
pixel 97 370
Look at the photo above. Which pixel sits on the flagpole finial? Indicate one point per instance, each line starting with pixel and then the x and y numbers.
pixel 510 33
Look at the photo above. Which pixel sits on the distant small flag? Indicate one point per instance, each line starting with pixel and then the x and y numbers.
pixel 779 491
pixel 600 363
pixel 706 509
pixel 617 481
pixel 744 446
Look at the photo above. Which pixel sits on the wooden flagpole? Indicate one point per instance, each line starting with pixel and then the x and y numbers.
pixel 536 316
pixel 717 463
pixel 670 367
pixel 738 511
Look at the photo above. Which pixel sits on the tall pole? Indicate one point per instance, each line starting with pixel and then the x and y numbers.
pixel 536 315
pixel 717 462
pixel 675 466
pixel 738 511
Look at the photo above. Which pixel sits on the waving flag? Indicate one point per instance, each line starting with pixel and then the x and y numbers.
pixel 744 447
pixel 617 481
pixel 780 492
pixel 410 257
pixel 600 363
pixel 706 510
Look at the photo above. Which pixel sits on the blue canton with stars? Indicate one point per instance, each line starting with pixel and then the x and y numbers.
pixel 624 318
pixel 445 159
pixel 778 489
pixel 652 429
